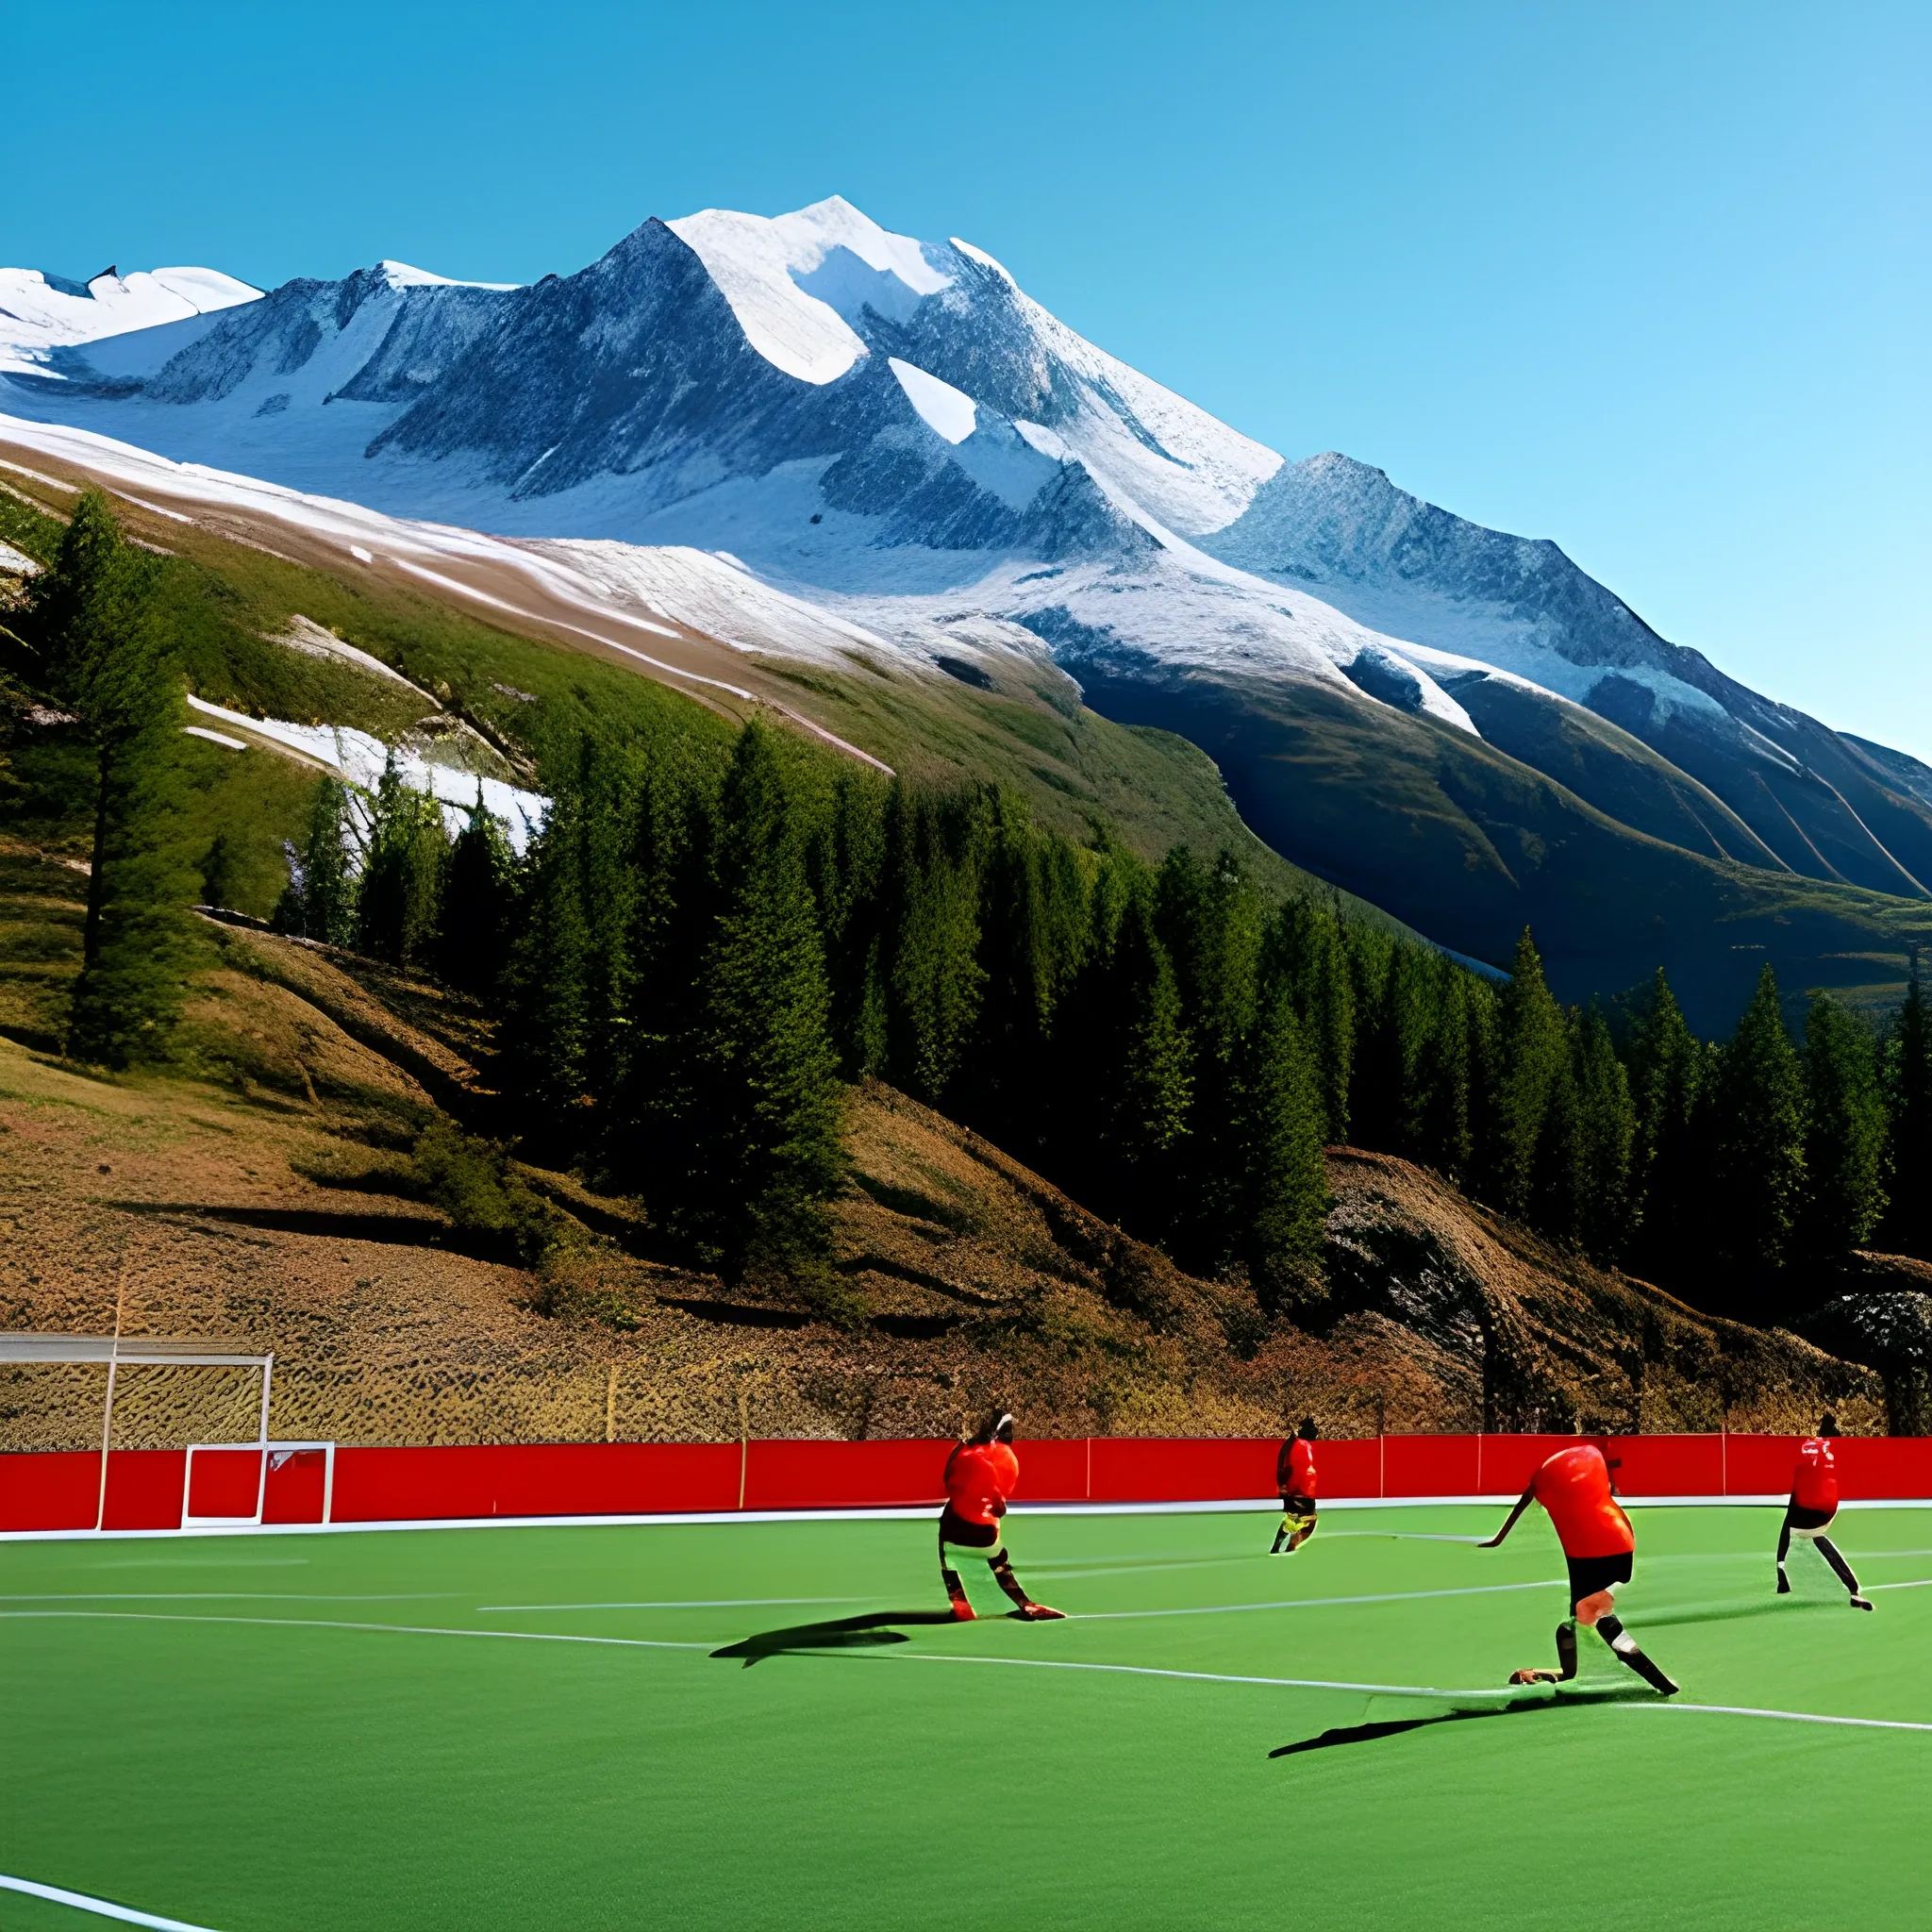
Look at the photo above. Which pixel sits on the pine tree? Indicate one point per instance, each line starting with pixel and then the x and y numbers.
pixel 1668 1069
pixel 1533 1051
pixel 1447 1110
pixel 1393 1048
pixel 1908 1228
pixel 1209 921
pixel 1027 945
pixel 1306 952
pixel 1757 1154
pixel 475 899
pixel 545 1043
pixel 1607 1133
pixel 1283 1199
pixel 1145 1106
pixel 395 901
pixel 933 978
pixel 1845 1132
pixel 94 623
pixel 321 900
pixel 764 1146
pixel 847 861
pixel 218 872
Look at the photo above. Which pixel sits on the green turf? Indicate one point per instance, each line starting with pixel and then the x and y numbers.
pixel 290 1774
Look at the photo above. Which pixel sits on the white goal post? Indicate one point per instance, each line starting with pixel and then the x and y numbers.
pixel 182 1352
pixel 274 1455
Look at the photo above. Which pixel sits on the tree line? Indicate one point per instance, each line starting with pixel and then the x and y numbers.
pixel 698 951
pixel 709 941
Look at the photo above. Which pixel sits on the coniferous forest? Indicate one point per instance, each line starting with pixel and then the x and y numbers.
pixel 712 937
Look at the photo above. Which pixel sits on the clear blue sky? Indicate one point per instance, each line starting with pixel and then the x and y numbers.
pixel 1649 279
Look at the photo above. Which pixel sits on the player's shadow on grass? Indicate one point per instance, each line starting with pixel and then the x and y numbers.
pixel 1727 1612
pixel 835 1633
pixel 1364 1734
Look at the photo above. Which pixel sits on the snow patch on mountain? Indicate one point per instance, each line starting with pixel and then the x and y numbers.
pixel 40 314
pixel 947 411
pixel 400 275
pixel 793 280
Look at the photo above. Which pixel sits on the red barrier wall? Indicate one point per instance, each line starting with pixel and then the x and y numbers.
pixel 62 1490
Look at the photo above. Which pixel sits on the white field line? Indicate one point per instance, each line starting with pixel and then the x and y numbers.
pixel 1795 1717
pixel 101 1908
pixel 221 1597
pixel 1311 1603
pixel 907 1513
pixel 388 1630
pixel 1030 1663
pixel 1421 1690
pixel 707 1603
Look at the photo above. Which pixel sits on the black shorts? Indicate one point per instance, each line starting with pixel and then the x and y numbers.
pixel 1589 1574
pixel 1296 1504
pixel 1809 1521
pixel 967 1536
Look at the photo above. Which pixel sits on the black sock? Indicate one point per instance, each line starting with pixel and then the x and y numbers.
pixel 1784 1542
pixel 1611 1629
pixel 1566 1647
pixel 1828 1550
pixel 1003 1575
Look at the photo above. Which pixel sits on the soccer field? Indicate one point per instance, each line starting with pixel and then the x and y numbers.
pixel 527 1728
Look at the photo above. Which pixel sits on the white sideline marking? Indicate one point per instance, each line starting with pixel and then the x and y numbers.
pixel 392 1629
pixel 223 1596
pixel 1314 1603
pixel 910 1513
pixel 1041 1663
pixel 714 1603
pixel 101 1908
pixel 1795 1717
pixel 1425 1690
pixel 1913 1583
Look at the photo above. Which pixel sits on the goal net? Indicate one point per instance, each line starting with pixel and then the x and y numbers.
pixel 155 1392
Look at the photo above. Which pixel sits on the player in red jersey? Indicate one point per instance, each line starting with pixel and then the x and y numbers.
pixel 1295 1472
pixel 1599 1546
pixel 1813 1504
pixel 980 1476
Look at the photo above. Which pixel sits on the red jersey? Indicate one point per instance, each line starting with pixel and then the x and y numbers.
pixel 1294 1468
pixel 979 1478
pixel 1814 1483
pixel 1575 1487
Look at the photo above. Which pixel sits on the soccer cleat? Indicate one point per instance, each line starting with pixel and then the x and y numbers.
pixel 1860 1603
pixel 1783 1584
pixel 1533 1678
pixel 964 1612
pixel 1037 1613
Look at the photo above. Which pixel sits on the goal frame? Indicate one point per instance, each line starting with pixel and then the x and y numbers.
pixel 268 1450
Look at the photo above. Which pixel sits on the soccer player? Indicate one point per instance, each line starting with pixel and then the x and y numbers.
pixel 1813 1504
pixel 1573 1485
pixel 980 1476
pixel 1295 1472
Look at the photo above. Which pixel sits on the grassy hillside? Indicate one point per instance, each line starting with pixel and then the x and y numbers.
pixel 230 598
pixel 264 1189
pixel 1469 846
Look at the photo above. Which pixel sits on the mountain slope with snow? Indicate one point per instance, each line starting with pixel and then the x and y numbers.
pixel 891 434
pixel 41 314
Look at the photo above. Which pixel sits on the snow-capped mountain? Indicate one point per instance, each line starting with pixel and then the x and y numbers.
pixel 1457 721
pixel 41 314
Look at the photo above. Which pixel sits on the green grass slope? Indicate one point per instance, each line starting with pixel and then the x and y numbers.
pixel 229 599
pixel 1468 844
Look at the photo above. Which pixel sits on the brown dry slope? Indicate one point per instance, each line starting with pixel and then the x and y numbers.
pixel 271 1199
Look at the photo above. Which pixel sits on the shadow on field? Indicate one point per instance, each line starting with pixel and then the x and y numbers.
pixel 1743 1606
pixel 1364 1734
pixel 835 1633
